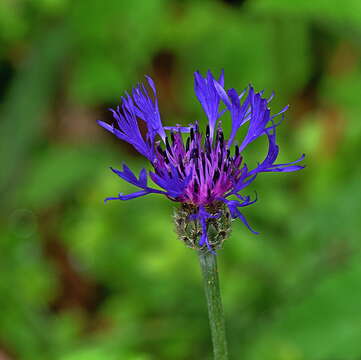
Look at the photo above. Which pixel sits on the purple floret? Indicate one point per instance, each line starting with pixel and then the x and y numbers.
pixel 199 169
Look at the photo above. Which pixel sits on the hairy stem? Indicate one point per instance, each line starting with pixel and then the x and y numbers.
pixel 208 263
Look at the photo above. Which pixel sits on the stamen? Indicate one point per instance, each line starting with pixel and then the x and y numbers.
pixel 181 164
pixel 179 173
pixel 187 144
pixel 192 134
pixel 207 144
pixel 208 193
pixel 167 145
pixel 194 153
pixel 196 187
pixel 160 150
pixel 197 170
pixel 203 160
pixel 236 152
pixel 208 153
pixel 215 176
pixel 221 138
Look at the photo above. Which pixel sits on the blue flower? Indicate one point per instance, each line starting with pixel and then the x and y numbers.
pixel 204 170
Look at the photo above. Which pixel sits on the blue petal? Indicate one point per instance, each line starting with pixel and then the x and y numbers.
pixel 268 163
pixel 139 105
pixel 233 206
pixel 245 222
pixel 128 128
pixel 129 176
pixel 242 184
pixel 223 95
pixel 172 183
pixel 260 116
pixel 202 216
pixel 148 110
pixel 239 113
pixel 113 130
pixel 208 97
pixel 280 112
pixel 284 168
pixel 143 178
pixel 183 129
pixel 129 196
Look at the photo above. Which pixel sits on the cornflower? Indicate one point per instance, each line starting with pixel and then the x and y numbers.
pixel 205 172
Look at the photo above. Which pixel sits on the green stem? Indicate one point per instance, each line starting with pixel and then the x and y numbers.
pixel 208 263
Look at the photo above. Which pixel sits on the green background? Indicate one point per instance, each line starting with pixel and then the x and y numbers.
pixel 80 280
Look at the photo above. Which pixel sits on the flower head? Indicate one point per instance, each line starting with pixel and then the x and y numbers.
pixel 200 169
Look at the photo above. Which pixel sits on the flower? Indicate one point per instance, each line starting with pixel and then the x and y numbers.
pixel 203 171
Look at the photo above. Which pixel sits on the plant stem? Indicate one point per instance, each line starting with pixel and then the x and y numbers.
pixel 208 263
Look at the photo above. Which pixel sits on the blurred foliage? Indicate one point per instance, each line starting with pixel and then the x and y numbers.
pixel 83 280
